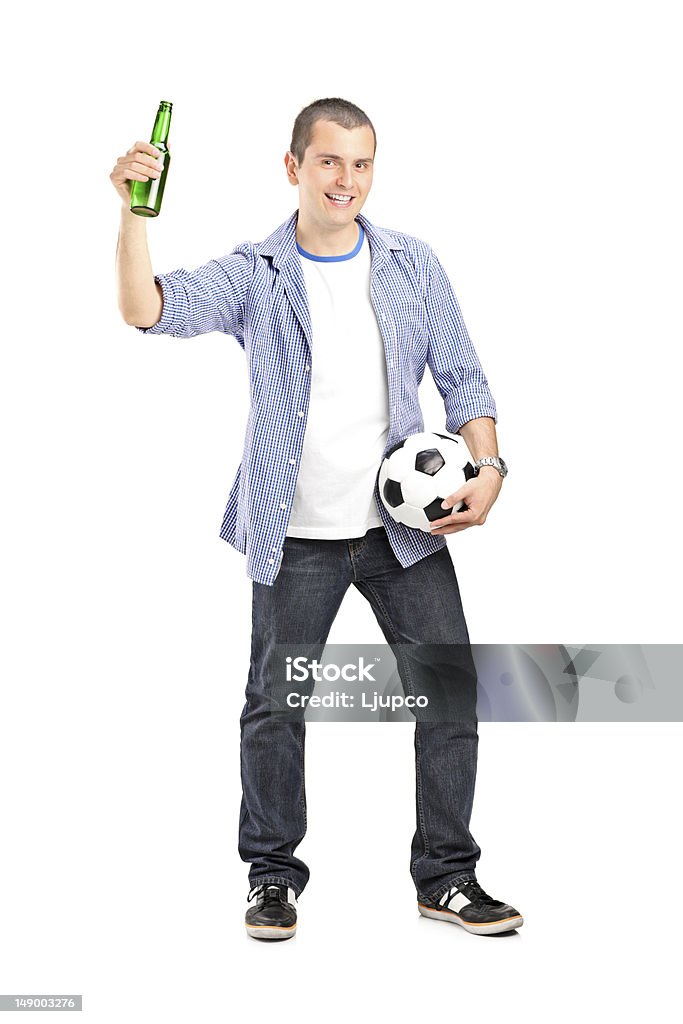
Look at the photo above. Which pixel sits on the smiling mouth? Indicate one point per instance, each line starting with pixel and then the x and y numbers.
pixel 339 200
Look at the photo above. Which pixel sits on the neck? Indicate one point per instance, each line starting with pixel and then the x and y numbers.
pixel 326 241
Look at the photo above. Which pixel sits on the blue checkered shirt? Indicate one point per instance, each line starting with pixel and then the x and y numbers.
pixel 257 293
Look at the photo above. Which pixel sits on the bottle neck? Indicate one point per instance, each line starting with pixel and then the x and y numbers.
pixel 162 123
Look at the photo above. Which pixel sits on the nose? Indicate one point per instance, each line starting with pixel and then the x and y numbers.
pixel 345 178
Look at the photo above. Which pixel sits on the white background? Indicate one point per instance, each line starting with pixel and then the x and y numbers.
pixel 536 147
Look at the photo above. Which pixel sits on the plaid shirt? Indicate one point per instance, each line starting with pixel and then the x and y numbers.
pixel 257 294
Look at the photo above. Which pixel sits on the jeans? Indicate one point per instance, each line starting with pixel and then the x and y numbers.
pixel 420 604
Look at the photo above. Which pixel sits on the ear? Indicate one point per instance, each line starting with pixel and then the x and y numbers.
pixel 291 168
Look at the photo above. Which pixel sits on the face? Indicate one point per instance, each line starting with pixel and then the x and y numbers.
pixel 339 162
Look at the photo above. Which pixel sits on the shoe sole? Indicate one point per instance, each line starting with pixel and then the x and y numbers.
pixel 485 928
pixel 269 931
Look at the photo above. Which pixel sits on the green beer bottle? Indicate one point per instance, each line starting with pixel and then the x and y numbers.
pixel 146 196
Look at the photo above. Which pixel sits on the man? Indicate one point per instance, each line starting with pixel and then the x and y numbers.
pixel 337 319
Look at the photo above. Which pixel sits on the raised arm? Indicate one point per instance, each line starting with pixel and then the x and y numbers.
pixel 182 303
pixel 140 298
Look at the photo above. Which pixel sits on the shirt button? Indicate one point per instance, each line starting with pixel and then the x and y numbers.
pixel 292 462
pixel 271 561
pixel 283 505
pixel 300 413
pixel 273 549
pixel 307 367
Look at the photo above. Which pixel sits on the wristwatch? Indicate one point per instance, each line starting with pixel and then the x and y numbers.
pixel 492 460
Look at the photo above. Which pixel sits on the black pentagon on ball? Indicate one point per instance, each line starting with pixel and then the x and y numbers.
pixel 434 511
pixel 393 495
pixel 469 471
pixel 429 461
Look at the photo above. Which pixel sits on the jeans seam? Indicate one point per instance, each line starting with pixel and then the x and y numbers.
pixel 302 769
pixel 418 773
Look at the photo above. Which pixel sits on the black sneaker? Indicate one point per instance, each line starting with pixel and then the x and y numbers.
pixel 468 905
pixel 273 916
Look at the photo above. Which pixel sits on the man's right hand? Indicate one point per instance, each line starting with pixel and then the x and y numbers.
pixel 138 164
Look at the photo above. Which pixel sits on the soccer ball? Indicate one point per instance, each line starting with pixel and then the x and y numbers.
pixel 419 472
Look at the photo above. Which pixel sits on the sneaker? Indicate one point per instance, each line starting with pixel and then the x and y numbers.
pixel 468 905
pixel 273 916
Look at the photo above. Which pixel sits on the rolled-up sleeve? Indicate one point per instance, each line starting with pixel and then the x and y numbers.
pixel 451 357
pixel 210 298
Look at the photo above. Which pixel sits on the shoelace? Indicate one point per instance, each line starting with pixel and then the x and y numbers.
pixel 474 891
pixel 269 893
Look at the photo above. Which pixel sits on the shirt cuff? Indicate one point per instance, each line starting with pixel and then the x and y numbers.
pixel 472 411
pixel 170 320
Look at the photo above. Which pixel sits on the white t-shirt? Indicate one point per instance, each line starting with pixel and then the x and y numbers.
pixel 348 413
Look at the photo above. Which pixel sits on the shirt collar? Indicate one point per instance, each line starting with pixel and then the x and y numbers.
pixel 281 245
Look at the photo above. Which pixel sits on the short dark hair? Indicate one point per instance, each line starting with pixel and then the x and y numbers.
pixel 348 115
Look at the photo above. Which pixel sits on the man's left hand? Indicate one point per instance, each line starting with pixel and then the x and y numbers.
pixel 479 494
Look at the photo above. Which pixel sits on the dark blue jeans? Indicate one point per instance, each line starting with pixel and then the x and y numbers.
pixel 417 605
